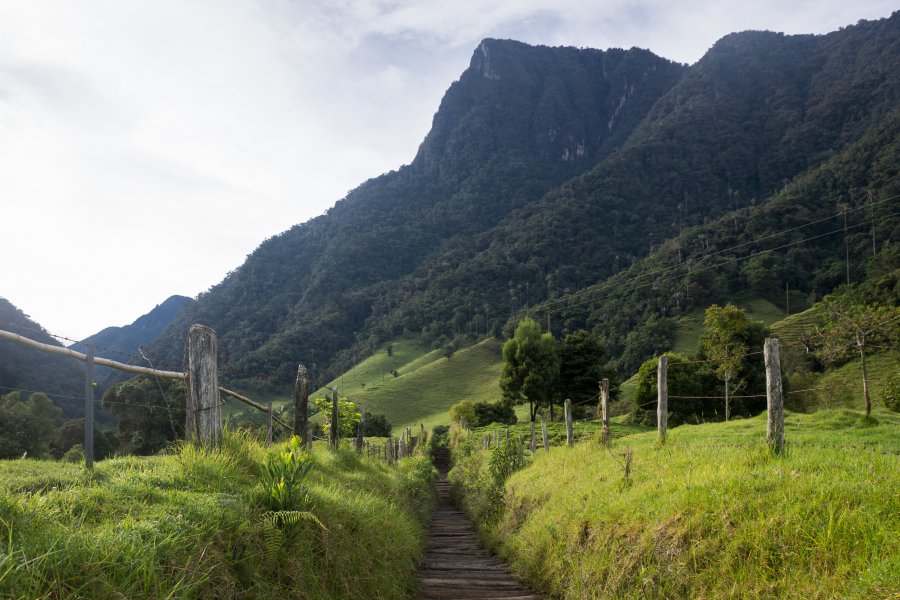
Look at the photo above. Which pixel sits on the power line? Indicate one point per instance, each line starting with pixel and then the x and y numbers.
pixel 700 270
pixel 566 299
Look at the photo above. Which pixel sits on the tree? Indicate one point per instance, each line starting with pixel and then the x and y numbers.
pixel 849 326
pixel 463 410
pixel 728 336
pixel 377 426
pixel 530 367
pixel 27 426
pixel 348 416
pixel 150 412
pixel 690 383
pixel 582 357
pixel 71 434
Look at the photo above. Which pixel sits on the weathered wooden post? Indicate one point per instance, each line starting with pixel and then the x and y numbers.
pixel 301 407
pixel 570 438
pixel 605 435
pixel 89 407
pixel 360 434
pixel 335 425
pixel 532 437
pixel 269 424
pixel 774 396
pixel 662 398
pixel 203 416
pixel 544 434
pixel 402 446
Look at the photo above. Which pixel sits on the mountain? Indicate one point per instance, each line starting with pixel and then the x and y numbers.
pixel 30 370
pixel 550 170
pixel 122 343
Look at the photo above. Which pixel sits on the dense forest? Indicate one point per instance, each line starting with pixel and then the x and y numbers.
pixel 559 180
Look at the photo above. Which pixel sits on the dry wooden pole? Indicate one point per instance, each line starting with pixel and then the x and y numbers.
pixel 269 424
pixel 774 395
pixel 605 434
pixel 301 406
pixel 570 438
pixel 402 446
pixel 532 437
pixel 203 420
pixel 544 434
pixel 89 408
pixel 361 430
pixel 662 398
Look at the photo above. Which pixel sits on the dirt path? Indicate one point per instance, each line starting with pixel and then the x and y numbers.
pixel 456 565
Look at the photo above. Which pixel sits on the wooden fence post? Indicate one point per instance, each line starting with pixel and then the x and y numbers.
pixel 570 438
pixel 203 419
pixel 335 425
pixel 544 434
pixel 605 434
pixel 402 446
pixel 774 396
pixel 89 408
pixel 662 398
pixel 301 406
pixel 269 424
pixel 360 434
pixel 532 437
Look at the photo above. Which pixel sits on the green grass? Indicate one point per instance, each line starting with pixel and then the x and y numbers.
pixel 428 385
pixel 843 388
pixel 192 525
pixel 709 515
pixel 791 328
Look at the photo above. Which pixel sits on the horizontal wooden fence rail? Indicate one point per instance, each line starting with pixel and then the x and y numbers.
pixel 207 428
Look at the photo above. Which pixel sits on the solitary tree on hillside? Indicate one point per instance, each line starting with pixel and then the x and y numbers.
pixel 530 367
pixel 726 340
pixel 849 325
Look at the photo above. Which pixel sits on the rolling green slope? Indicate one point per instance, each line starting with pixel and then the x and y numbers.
pixel 428 385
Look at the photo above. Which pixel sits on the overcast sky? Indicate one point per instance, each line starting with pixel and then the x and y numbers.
pixel 146 147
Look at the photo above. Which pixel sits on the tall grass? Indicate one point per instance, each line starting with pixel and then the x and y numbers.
pixel 192 525
pixel 709 515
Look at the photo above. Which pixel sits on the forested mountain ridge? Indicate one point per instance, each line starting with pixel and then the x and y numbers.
pixel 122 343
pixel 29 370
pixel 507 132
pixel 547 170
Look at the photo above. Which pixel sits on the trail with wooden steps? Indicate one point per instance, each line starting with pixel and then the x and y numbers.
pixel 456 565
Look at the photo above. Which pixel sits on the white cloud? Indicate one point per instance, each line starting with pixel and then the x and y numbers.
pixel 147 146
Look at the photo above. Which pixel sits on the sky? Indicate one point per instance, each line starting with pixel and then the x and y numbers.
pixel 148 146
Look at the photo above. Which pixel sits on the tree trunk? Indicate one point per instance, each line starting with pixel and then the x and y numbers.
pixel 727 403
pixel 861 344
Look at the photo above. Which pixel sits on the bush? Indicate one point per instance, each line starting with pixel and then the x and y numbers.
pixel 490 412
pixel 890 392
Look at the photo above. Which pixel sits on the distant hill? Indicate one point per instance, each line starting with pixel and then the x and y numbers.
pixel 572 182
pixel 30 370
pixel 122 343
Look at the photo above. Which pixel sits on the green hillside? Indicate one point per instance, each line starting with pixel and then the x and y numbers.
pixel 428 385
pixel 709 515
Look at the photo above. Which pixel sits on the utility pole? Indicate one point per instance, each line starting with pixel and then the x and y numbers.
pixel 872 207
pixel 846 244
